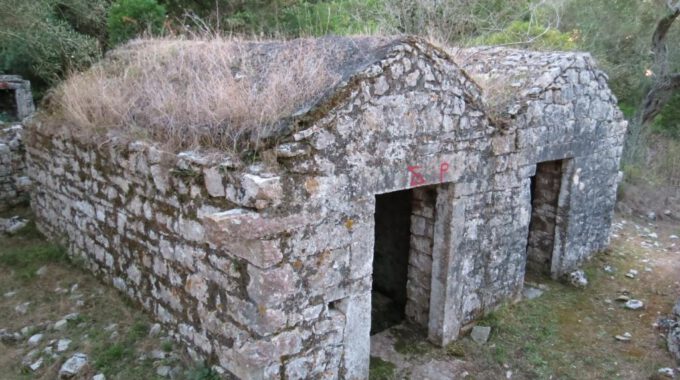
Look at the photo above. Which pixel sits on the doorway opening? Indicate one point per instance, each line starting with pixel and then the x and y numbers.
pixel 8 105
pixel 402 258
pixel 390 259
pixel 545 193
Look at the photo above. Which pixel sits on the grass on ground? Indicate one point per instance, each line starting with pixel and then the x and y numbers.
pixel 112 331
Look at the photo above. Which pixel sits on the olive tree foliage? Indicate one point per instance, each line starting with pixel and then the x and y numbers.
pixel 619 34
pixel 524 23
pixel 44 40
pixel 130 18
pixel 278 18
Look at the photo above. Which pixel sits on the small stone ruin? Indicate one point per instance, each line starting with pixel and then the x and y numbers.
pixel 407 184
pixel 16 100
pixel 16 103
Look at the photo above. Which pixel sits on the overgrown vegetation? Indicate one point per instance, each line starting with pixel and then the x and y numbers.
pixel 44 40
pixel 523 33
pixel 129 18
pixel 218 92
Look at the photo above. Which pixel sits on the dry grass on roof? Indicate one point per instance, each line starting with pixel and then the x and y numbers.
pixel 213 93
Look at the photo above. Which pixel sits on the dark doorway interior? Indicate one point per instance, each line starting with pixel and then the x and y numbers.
pixel 8 105
pixel 545 192
pixel 390 259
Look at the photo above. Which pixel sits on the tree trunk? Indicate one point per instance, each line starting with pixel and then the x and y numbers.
pixel 665 83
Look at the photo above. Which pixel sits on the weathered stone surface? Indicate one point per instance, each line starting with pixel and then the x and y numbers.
pixel 36 365
pixel 272 287
pixel 73 366
pixel 437 370
pixel 12 225
pixel 35 340
pixel 578 279
pixel 256 191
pixel 249 225
pixel 14 184
pixel 252 236
pixel 676 309
pixel 480 334
pixel 63 345
pixel 214 181
pixel 673 341
pixel 634 304
pixel 531 293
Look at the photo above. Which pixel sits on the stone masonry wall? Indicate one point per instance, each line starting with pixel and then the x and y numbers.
pixel 416 120
pixel 14 184
pixel 545 193
pixel 565 112
pixel 133 214
pixel 420 255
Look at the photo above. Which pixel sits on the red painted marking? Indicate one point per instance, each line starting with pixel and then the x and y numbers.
pixel 416 178
pixel 443 168
pixel 4 85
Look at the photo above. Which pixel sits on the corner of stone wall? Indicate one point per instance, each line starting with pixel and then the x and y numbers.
pixel 14 182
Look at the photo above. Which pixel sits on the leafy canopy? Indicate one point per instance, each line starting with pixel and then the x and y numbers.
pixel 129 18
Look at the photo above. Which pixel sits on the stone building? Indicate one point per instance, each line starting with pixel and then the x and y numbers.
pixel 16 103
pixel 407 181
pixel 16 100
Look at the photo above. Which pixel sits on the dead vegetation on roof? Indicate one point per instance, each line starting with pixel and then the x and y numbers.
pixel 501 89
pixel 219 92
pixel 501 96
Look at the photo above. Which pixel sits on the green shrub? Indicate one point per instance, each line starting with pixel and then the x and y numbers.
pixel 333 17
pixel 129 18
pixel 535 36
pixel 667 122
pixel 37 42
pixel 308 18
pixel 627 109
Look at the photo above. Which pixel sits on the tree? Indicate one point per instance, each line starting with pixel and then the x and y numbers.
pixel 666 82
pixel 41 39
pixel 128 18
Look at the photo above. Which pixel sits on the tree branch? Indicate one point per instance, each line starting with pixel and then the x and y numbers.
pixel 658 96
pixel 659 47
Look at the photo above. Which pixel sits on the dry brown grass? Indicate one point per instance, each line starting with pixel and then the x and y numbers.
pixel 501 97
pixel 500 89
pixel 210 92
